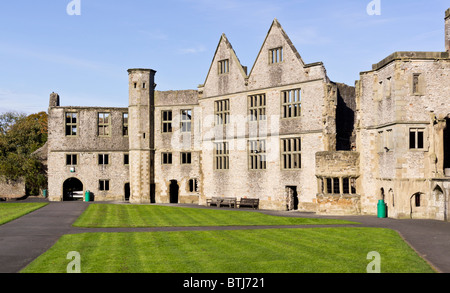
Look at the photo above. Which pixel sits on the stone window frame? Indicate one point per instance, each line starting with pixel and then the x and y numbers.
pixel 417 84
pixel 291 149
pixel 166 158
pixel 223 66
pixel 126 159
pixel 417 141
pixel 125 121
pixel 222 112
pixel 257 107
pixel 71 124
pixel 276 55
pixel 257 154
pixel 70 157
pixel 186 158
pixel 103 159
pixel 166 123
pixel 186 120
pixel 103 184
pixel 291 99
pixel 193 185
pixel 221 156
pixel 330 184
pixel 104 128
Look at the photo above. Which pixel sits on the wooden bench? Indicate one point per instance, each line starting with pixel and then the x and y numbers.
pixel 249 202
pixel 222 201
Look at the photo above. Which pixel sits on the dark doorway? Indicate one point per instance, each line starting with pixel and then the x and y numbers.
pixel 291 198
pixel 127 191
pixel 447 145
pixel 174 191
pixel 152 193
pixel 72 189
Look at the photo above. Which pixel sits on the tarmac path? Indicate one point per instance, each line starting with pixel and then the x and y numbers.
pixel 24 239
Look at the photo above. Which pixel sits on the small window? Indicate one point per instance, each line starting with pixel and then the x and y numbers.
pixel 126 159
pixel 186 120
pixel 185 158
pixel 193 185
pixel 416 83
pixel 224 66
pixel 416 138
pixel 71 160
pixel 276 55
pixel 143 85
pixel 71 124
pixel 166 117
pixel 103 159
pixel 166 158
pixel 103 185
pixel 125 124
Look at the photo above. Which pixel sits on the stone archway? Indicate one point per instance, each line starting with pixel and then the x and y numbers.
pixel 72 189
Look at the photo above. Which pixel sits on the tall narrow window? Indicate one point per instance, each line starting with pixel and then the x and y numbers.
pixel 291 103
pixel 166 158
pixel 193 185
pixel 186 158
pixel 222 112
pixel 276 55
pixel 257 107
pixel 186 119
pixel 416 83
pixel 71 124
pixel 291 153
pixel 104 124
pixel 126 159
pixel 125 124
pixel 416 138
pixel 257 154
pixel 224 66
pixel 71 160
pixel 166 121
pixel 103 159
pixel 221 156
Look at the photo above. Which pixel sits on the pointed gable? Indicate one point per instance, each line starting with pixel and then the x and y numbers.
pixel 226 74
pixel 278 61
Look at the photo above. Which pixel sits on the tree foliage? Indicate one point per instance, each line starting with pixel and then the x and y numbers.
pixel 20 136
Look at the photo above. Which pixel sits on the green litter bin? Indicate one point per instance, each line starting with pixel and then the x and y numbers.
pixel 44 193
pixel 381 209
pixel 87 196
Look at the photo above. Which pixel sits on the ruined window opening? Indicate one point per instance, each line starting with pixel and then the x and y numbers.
pixel 103 159
pixel 257 154
pixel 291 153
pixel 166 117
pixel 104 124
pixel 135 85
pixel 276 55
pixel 221 156
pixel 125 124
pixel 71 124
pixel 346 185
pixel 416 83
pixel 336 187
pixel 193 185
pixel 291 103
pixel 416 138
pixel 126 159
pixel 417 200
pixel 71 160
pixel 222 112
pixel 186 158
pixel 224 66
pixel 257 107
pixel 103 185
pixel 166 158
pixel 143 85
pixel 329 185
pixel 186 120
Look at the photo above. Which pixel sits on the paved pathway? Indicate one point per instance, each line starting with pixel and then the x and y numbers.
pixel 24 239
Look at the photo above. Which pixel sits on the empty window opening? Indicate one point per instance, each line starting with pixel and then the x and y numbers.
pixel 224 66
pixel 447 144
pixel 71 160
pixel 193 185
pixel 291 103
pixel 276 55
pixel 126 159
pixel 104 124
pixel 417 199
pixel 71 124
pixel 103 159
pixel 416 138
pixel 166 158
pixel 291 153
pixel 103 185
pixel 166 117
pixel 222 112
pixel 186 120
pixel 135 85
pixel 257 154
pixel 257 107
pixel 221 156
pixel 125 124
pixel 143 85
pixel 186 158
pixel 415 83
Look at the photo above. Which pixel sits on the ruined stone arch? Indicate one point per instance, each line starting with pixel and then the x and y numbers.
pixel 415 201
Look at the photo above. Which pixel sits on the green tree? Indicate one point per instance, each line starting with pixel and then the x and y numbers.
pixel 20 136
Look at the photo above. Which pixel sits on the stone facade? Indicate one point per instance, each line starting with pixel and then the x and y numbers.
pixel 283 133
pixel 12 189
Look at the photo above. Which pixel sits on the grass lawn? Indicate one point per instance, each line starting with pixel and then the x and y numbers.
pixel 308 250
pixel 11 211
pixel 110 215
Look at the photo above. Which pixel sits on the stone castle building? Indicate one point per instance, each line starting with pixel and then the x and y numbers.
pixel 283 133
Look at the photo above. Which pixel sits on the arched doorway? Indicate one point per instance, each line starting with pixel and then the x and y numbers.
pixel 72 189
pixel 174 191
pixel 127 191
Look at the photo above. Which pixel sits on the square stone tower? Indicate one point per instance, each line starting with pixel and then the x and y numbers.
pixel 141 133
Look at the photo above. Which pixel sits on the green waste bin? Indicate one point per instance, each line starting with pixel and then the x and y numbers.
pixel 381 209
pixel 44 193
pixel 87 195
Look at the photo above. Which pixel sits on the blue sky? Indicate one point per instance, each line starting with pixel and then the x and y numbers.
pixel 85 57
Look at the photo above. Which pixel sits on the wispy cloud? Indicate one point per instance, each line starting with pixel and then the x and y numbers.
pixel 194 50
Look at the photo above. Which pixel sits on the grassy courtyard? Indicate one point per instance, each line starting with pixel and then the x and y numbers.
pixel 12 211
pixel 307 250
